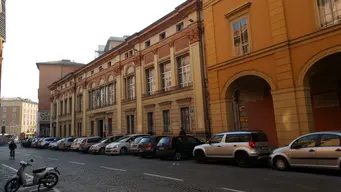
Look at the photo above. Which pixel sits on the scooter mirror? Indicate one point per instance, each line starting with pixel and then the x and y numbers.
pixel 31 160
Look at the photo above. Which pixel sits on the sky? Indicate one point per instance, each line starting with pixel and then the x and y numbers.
pixel 49 30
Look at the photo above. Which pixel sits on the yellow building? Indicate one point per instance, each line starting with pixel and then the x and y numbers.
pixel 274 65
pixel 151 82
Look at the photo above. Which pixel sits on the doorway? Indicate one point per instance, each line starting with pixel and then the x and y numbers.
pixel 100 128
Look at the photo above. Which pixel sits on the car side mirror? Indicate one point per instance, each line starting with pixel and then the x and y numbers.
pixel 31 160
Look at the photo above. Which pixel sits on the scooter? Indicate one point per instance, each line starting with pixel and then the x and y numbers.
pixel 48 176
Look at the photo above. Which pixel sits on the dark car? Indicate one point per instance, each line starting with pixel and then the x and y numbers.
pixel 176 147
pixel 148 145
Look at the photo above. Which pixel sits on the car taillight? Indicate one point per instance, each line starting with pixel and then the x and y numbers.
pixel 148 145
pixel 252 145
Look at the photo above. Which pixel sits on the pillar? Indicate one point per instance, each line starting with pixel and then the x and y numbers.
pixel 119 84
pixel 85 107
pixel 304 110
pixel 139 115
pixel 73 114
pixel 57 117
pixel 198 89
pixel 174 79
pixel 157 72
pixel 51 118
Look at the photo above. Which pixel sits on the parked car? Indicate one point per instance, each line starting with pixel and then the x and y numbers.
pixel 44 143
pixel 26 142
pixel 66 143
pixel 76 143
pixel 122 145
pixel 35 142
pixel 245 147
pixel 314 150
pixel 87 142
pixel 134 146
pixel 148 145
pixel 55 145
pixel 176 147
pixel 100 147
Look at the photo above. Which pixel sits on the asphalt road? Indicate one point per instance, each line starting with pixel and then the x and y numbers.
pixel 92 173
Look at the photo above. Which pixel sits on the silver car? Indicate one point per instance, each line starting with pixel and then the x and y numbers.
pixel 134 147
pixel 314 150
pixel 100 147
pixel 122 145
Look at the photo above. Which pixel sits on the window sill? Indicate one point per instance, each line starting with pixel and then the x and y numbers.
pixel 173 90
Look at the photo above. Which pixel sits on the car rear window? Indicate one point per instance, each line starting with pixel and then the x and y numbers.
pixel 146 140
pixel 137 140
pixel 165 141
pixel 259 137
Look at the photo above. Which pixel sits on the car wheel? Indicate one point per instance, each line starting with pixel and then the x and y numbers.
pixel 102 151
pixel 242 159
pixel 200 156
pixel 177 156
pixel 123 151
pixel 280 163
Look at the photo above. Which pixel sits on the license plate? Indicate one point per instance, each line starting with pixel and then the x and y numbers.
pixel 161 148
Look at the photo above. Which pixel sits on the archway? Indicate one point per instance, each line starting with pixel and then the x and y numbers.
pixel 324 80
pixel 250 106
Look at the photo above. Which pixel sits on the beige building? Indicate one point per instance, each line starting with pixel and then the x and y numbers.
pixel 151 82
pixel 19 115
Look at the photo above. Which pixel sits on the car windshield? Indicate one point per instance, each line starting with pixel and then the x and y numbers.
pixel 122 139
pixel 104 140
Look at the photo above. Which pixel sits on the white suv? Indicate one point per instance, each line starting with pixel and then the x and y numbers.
pixel 243 146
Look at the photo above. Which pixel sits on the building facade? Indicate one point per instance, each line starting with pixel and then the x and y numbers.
pixel 2 32
pixel 152 82
pixel 19 115
pixel 50 72
pixel 274 65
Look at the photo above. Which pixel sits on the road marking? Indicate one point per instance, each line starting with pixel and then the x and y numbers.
pixel 30 176
pixel 53 159
pixel 38 156
pixel 27 155
pixel 78 163
pixel 232 190
pixel 113 169
pixel 164 177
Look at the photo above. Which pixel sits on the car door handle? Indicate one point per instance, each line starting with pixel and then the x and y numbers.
pixel 311 150
pixel 219 146
pixel 338 150
pixel 234 145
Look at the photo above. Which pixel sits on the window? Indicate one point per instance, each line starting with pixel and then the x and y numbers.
pixel 166 120
pixel 126 55
pixel 109 64
pixel 185 122
pixel 65 107
pixel 14 109
pixel 3 122
pixel 329 140
pixel 240 37
pixel 130 53
pixel 237 138
pixel 147 44
pixel 184 68
pixel 4 109
pixel 162 36
pixel 92 128
pixel 180 26
pixel 150 122
pixel 216 138
pixel 92 72
pixel 100 68
pixel 329 12
pixel 150 78
pixel 130 124
pixel 166 76
pixel 61 108
pixel 305 142
pixel 131 87
pixel 110 94
pixel 14 116
pixel 102 97
pixel 70 105
pixel 80 103
pixel 79 78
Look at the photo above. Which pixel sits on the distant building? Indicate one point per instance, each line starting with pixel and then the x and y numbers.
pixel 19 115
pixel 50 72
pixel 2 32
pixel 111 43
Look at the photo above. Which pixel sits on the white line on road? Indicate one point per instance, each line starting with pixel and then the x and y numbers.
pixel 38 156
pixel 164 177
pixel 78 163
pixel 53 159
pixel 27 155
pixel 232 190
pixel 113 169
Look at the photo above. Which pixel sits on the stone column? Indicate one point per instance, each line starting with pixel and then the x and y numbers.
pixel 157 71
pixel 73 114
pixel 85 107
pixel 139 115
pixel 304 110
pixel 119 84
pixel 174 79
pixel 57 117
pixel 197 78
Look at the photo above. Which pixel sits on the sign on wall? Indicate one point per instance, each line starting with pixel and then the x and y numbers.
pixel 44 116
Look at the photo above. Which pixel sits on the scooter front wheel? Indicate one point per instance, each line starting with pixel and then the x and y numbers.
pixel 50 180
pixel 12 185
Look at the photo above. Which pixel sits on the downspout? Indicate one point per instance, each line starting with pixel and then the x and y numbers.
pixel 203 70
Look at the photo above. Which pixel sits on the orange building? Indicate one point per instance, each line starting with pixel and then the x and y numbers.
pixel 274 65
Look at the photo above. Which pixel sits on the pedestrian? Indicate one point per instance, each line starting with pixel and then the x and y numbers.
pixel 182 132
pixel 12 146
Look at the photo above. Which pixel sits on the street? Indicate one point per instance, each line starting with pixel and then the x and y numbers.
pixel 89 173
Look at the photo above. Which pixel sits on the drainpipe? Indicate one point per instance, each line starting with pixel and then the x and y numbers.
pixel 203 70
